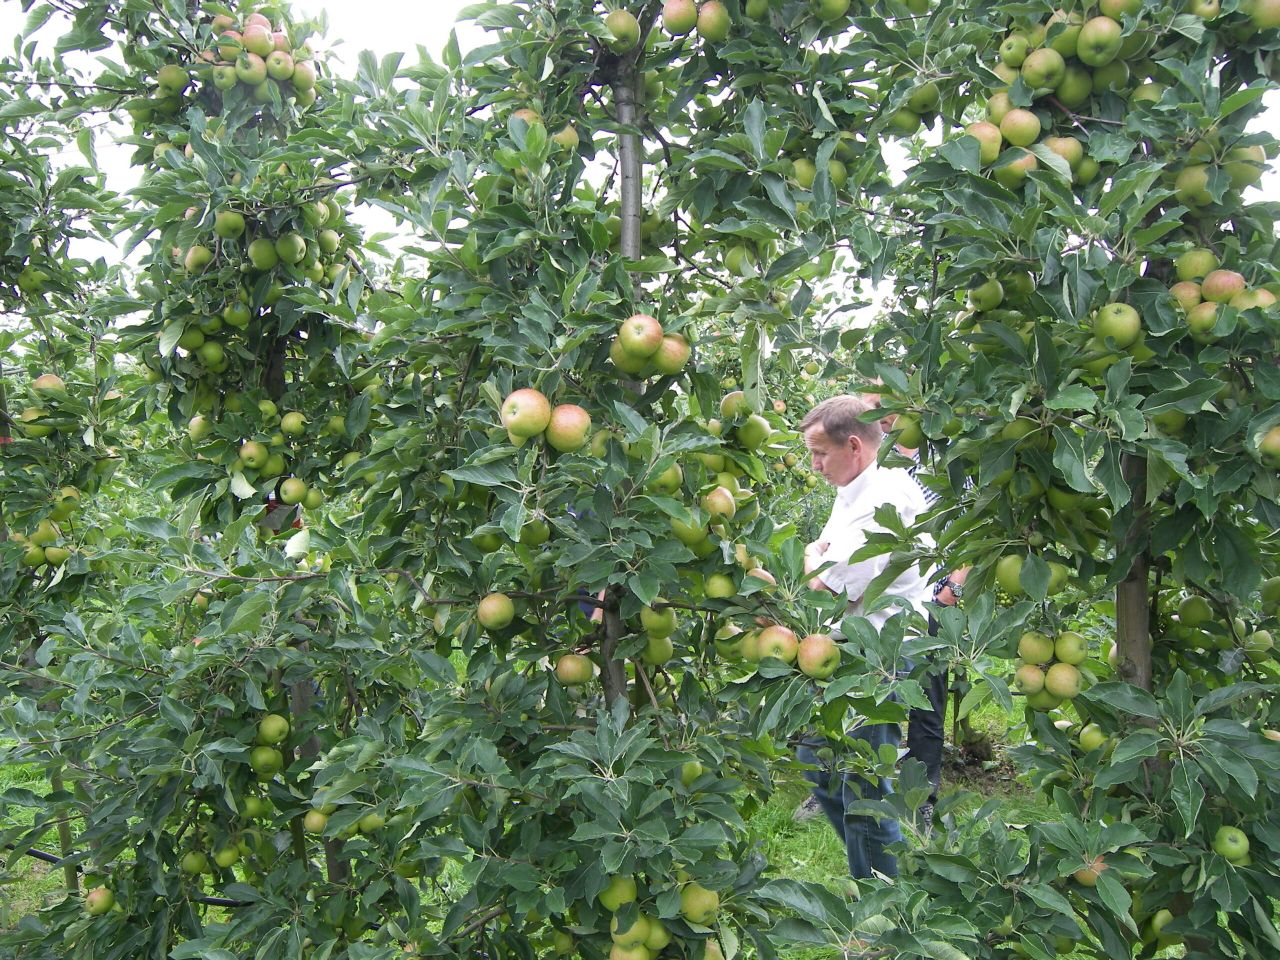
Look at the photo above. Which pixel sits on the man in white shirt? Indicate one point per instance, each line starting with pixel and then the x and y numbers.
pixel 843 449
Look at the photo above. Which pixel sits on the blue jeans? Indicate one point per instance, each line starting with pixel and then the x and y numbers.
pixel 865 838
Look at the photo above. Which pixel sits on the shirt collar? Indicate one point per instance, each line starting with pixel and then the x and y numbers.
pixel 850 492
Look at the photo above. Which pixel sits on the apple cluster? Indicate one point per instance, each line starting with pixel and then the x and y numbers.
pixel 1048 671
pixel 1203 288
pixel 258 57
pixel 642 349
pixel 710 19
pixel 816 655
pixel 527 414
pixel 1071 60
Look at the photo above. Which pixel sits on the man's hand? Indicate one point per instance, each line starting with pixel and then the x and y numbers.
pixel 813 560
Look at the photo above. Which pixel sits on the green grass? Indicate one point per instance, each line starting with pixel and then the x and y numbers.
pixel 34 883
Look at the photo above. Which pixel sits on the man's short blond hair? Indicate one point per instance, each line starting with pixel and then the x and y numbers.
pixel 841 418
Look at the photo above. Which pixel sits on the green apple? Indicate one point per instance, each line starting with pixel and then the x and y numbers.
pixel 495 611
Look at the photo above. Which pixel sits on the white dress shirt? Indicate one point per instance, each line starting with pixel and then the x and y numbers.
pixel 852 518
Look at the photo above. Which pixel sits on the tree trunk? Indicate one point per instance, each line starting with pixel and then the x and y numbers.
pixel 5 437
pixel 1133 612
pixel 614 675
pixel 626 97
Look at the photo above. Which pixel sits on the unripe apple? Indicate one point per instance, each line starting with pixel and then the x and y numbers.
pixel 987 295
pixel 1119 322
pixel 1191 185
pixel 1029 678
pixel 1063 680
pixel 1020 127
pixel 989 140
pixel 495 611
pixel 1070 647
pixel 293 491
pixel 998 104
pixel 698 904
pixel 658 623
pixel 1012 172
pixel 1035 647
pixel 1099 41
pixel 624 28
pixel 1043 69
pixel 620 889
pixel 1014 50
pixel 1195 264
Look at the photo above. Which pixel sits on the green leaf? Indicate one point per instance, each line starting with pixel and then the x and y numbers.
pixel 1123 697
pixel 963 154
pixel 753 123
pixel 1187 794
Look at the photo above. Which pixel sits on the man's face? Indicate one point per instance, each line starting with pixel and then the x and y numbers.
pixel 837 463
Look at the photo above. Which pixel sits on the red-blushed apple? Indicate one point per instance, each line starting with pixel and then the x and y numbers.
pixel 679 17
pixel 818 656
pixel 1186 293
pixel 98 901
pixel 1012 173
pixel 640 335
pixel 525 413
pixel 568 427
pixel 1260 298
pixel 720 503
pixel 1087 876
pixel 257 39
pixel 779 642
pixel 672 355
pixel 713 21
pixel 251 69
pixel 573 669
pixel 495 611
pixel 1219 286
